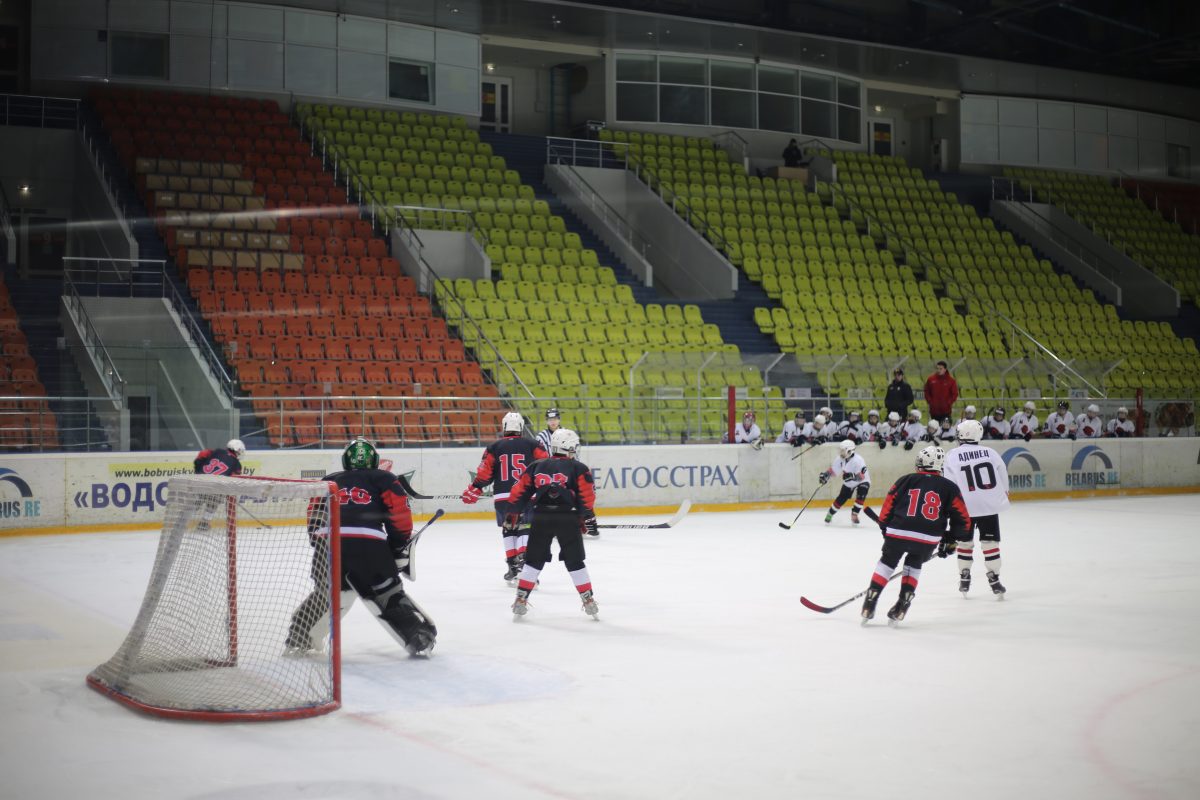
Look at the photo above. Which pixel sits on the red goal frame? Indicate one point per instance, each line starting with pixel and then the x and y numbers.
pixel 335 646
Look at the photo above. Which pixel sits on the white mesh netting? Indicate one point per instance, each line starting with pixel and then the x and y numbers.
pixel 236 573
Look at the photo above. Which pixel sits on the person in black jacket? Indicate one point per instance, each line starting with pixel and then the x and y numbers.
pixel 793 156
pixel 899 394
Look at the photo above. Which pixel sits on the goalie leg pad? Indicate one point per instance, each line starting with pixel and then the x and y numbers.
pixel 403 619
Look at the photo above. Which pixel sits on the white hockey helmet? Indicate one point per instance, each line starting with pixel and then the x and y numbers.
pixel 854 415
pixel 873 413
pixel 1122 412
pixel 915 414
pixel 970 431
pixel 236 446
pixel 998 412
pixel 846 449
pixel 969 412
pixel 512 423
pixel 931 459
pixel 1029 407
pixel 564 442
pixel 934 426
pixel 893 417
pixel 1093 410
pixel 827 411
pixel 819 421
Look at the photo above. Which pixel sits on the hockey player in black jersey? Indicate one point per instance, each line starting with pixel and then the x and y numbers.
pixel 504 461
pixel 376 526
pixel 559 493
pixel 923 511
pixel 225 460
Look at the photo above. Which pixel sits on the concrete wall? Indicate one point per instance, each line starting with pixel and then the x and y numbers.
pixel 158 361
pixel 105 489
pixel 685 264
pixel 453 254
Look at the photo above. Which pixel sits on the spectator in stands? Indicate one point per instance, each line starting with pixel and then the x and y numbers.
pixel 941 390
pixel 792 155
pixel 899 395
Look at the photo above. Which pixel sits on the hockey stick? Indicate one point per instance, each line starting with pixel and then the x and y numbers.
pixel 788 527
pixel 682 511
pixel 253 516
pixel 830 609
pixel 805 450
pixel 415 495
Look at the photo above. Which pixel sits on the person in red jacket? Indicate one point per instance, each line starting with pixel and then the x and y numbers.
pixel 941 390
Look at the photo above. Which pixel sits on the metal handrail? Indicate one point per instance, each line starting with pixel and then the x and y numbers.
pixel 967 289
pixel 108 181
pixel 167 290
pixel 6 226
pixel 41 102
pixel 473 226
pixel 109 374
pixel 742 144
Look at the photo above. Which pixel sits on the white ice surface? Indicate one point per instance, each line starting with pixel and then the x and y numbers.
pixel 704 677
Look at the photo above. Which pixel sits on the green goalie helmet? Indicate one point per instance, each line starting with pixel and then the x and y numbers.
pixel 360 454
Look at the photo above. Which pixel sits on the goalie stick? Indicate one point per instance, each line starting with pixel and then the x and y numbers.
pixel 788 527
pixel 409 570
pixel 830 609
pixel 680 513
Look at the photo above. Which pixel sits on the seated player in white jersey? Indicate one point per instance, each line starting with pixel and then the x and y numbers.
pixel 1121 425
pixel 870 427
pixel 792 430
pixel 1060 424
pixel 890 431
pixel 817 431
pixel 996 426
pixel 1089 425
pixel 748 432
pixel 980 474
pixel 851 428
pixel 1024 422
pixel 914 431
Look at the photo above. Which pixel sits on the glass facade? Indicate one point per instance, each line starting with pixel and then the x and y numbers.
pixel 688 90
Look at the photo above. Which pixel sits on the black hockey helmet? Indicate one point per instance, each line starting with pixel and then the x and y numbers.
pixel 552 414
pixel 1063 405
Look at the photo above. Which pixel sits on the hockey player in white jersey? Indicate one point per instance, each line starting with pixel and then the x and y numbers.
pixel 996 426
pixel 818 431
pixel 890 431
pixel 1121 425
pixel 982 478
pixel 855 480
pixel 851 428
pixel 1024 422
pixel 1089 425
pixel 914 431
pixel 748 432
pixel 871 427
pixel 1060 424
pixel 945 432
pixel 792 431
pixel 969 413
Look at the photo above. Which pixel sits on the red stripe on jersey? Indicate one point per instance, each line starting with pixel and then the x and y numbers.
pixel 520 487
pixel 964 516
pixel 483 473
pixel 587 495
pixel 539 453
pixel 399 513
pixel 912 538
pixel 888 502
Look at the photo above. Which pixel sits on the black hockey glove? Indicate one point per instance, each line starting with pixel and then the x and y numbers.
pixel 1071 436
pixel 588 526
pixel 908 445
pixel 824 478
pixel 848 476
pixel 796 442
pixel 946 549
pixel 882 444
pixel 1028 436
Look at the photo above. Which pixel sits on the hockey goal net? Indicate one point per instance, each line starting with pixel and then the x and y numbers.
pixel 236 571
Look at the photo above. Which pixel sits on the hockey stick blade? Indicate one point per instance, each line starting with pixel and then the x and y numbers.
pixel 680 513
pixel 830 609
pixel 786 526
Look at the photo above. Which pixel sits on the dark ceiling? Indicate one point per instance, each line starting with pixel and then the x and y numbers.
pixel 1151 40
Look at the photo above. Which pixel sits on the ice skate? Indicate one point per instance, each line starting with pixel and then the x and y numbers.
pixel 868 608
pixel 520 606
pixel 829 518
pixel 964 581
pixel 514 569
pixel 997 586
pixel 896 613
pixel 420 644
pixel 854 517
pixel 589 604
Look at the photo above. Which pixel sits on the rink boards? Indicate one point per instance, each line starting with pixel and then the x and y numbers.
pixel 102 491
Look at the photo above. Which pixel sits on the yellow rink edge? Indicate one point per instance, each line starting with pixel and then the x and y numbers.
pixel 645 511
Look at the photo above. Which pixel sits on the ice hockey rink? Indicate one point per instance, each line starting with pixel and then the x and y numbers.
pixel 703 677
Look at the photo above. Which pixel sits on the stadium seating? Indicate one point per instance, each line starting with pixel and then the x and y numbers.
pixel 26 421
pixel 1160 245
pixel 600 330
pixel 300 293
